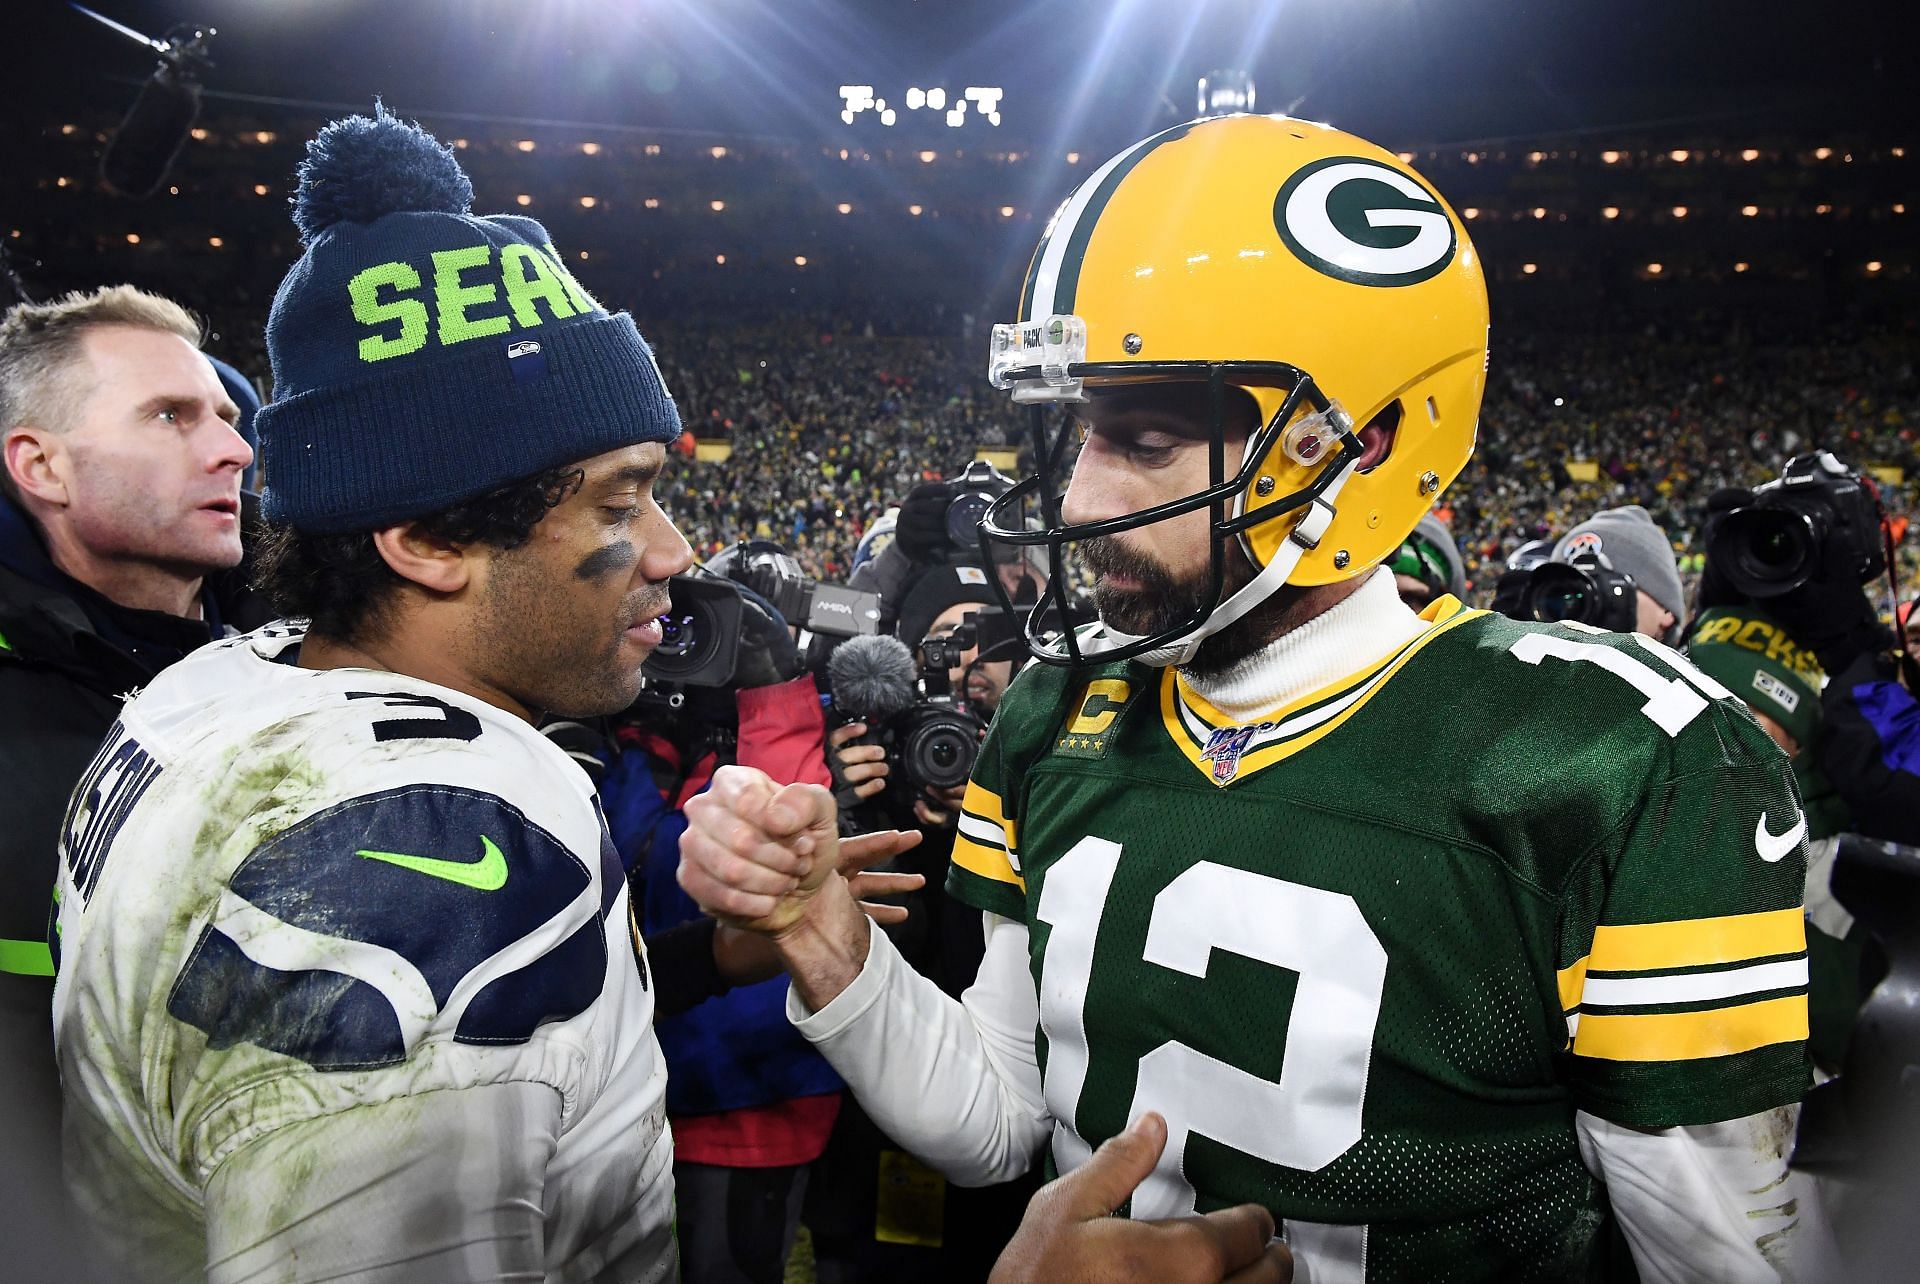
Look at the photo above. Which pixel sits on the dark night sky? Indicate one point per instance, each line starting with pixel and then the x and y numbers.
pixel 1076 72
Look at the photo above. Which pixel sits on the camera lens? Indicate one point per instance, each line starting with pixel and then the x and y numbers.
pixel 1561 592
pixel 678 635
pixel 940 752
pixel 964 516
pixel 1766 551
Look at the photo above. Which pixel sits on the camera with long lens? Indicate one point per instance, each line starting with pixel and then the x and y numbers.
pixel 1584 589
pixel 1819 517
pixel 972 493
pixel 701 631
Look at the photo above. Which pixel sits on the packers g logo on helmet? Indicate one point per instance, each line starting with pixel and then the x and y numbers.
pixel 1357 220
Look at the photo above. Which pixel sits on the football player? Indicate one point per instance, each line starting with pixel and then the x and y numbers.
pixel 1446 938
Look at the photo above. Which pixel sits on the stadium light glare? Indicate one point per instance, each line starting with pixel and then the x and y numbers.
pixel 62 181
pixel 887 116
pixel 1823 209
pixel 1533 158
pixel 1530 269
pixel 1750 154
pixel 652 203
pixel 1740 267
pixel 1539 211
pixel 1006 211
pixel 844 207
pixel 720 259
pixel 914 210
pixel 1655 269
pixel 1559 401
pixel 927 158
pixel 133 238
pixel 651 149
pixel 69 130
pixel 1750 211
pixel 936 99
pixel 1873 266
pixel 1470 213
pixel 263 136
pixel 1073 158
pixel 1899 153
pixel 1899 207
pixel 1822 153
pixel 799 260
pixel 1610 211
pixel 523 199
pixel 589 149
pixel 1679 211
pixel 459 144
pixel 259 189
pixel 588 202
pixel 198 133
pixel 716 206
pixel 718 153
pixel 525 144
pixel 955 117
pixel 1611 158
pixel 215 241
pixel 916 98
pixel 583 256
pixel 1679 155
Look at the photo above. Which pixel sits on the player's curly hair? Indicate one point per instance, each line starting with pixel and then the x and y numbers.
pixel 342 586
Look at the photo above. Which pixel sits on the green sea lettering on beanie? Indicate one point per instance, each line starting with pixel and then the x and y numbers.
pixel 1750 654
pixel 423 355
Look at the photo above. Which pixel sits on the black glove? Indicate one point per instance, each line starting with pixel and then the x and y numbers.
pixel 768 656
pixel 921 529
pixel 1830 615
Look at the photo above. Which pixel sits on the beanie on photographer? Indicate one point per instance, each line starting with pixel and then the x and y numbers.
pixel 1633 544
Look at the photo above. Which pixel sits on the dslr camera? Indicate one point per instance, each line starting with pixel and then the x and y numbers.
pixel 702 631
pixel 1818 520
pixel 1584 589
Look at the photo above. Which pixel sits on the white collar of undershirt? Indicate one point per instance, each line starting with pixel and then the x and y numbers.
pixel 1367 627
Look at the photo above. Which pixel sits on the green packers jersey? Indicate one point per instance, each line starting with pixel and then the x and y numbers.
pixel 1369 953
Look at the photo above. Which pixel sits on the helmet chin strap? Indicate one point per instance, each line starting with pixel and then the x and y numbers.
pixel 1180 649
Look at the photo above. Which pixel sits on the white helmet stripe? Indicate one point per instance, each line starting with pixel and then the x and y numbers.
pixel 1087 201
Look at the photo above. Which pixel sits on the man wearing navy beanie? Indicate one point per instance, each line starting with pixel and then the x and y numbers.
pixel 346 981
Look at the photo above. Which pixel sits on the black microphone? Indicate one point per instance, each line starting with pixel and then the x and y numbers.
pixel 143 149
pixel 872 678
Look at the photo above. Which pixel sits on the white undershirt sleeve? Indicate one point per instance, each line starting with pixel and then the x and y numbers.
pixel 1713 1202
pixel 438 1188
pixel 955 1083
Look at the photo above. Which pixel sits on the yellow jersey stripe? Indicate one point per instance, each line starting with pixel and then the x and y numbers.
pixel 1689 1036
pixel 986 804
pixel 985 862
pixel 1365 686
pixel 1572 981
pixel 1698 942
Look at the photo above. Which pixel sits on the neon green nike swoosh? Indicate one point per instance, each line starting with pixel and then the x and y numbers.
pixel 488 874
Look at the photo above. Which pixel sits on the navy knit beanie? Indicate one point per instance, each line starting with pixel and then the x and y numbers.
pixel 423 356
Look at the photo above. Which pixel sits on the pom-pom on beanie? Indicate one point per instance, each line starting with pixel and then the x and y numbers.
pixel 422 355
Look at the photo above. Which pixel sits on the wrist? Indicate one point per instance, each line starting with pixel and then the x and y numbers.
pixel 825 948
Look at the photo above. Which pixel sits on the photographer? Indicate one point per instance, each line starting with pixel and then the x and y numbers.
pixel 1804 547
pixel 751 1104
pixel 938 524
pixel 1627 581
pixel 1428 565
pixel 863 1228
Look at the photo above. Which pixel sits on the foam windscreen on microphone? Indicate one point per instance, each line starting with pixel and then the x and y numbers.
pixel 872 677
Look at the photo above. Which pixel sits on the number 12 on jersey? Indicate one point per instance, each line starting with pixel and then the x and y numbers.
pixel 1306 1119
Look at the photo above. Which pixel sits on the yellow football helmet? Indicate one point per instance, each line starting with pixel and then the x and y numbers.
pixel 1309 268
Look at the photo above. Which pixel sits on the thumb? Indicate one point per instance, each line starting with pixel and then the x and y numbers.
pixel 1123 1161
pixel 799 808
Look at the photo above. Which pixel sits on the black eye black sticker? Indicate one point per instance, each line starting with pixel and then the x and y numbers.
pixel 1358 220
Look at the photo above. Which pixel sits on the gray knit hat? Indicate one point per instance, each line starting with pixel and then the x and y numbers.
pixel 1633 544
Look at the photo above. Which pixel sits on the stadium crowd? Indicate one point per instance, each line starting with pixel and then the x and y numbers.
pixel 804 429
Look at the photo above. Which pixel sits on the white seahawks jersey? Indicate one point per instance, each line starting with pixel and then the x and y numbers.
pixel 285 893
